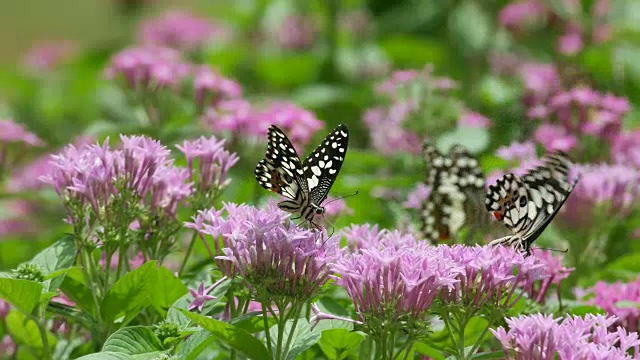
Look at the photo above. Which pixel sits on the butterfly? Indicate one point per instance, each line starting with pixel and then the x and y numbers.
pixel 527 204
pixel 304 184
pixel 456 182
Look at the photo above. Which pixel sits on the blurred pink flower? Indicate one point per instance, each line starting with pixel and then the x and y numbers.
pixel 181 30
pixel 519 14
pixel 8 347
pixel 17 219
pixel 522 152
pixel 473 119
pixel 358 23
pixel 234 115
pixel 335 207
pixel 612 297
pixel 211 87
pixel 542 337
pixel 554 137
pixel 626 148
pixel 299 124
pixel 13 132
pixel 46 56
pixel 415 198
pixel 571 42
pixel 540 81
pixel 296 32
pixel 148 68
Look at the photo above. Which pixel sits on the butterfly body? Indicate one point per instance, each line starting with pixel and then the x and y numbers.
pixel 304 184
pixel 527 204
pixel 455 181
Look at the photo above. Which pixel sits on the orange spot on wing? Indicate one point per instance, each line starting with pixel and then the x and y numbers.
pixel 498 215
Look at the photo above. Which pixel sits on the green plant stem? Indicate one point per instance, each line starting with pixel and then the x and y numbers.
pixel 476 346
pixel 41 322
pixel 406 346
pixel 296 313
pixel 266 327
pixel 282 321
pixel 188 254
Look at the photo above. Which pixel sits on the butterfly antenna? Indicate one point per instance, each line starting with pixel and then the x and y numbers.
pixel 340 198
pixel 550 249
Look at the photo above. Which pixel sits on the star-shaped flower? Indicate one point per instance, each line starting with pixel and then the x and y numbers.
pixel 200 296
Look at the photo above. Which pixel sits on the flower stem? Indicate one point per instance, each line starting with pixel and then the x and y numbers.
pixel 296 313
pixel 188 253
pixel 476 346
pixel 265 320
pixel 41 322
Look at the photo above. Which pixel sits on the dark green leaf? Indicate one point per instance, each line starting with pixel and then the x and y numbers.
pixel 414 52
pixel 233 336
pixel 489 355
pixel 74 287
pixel 253 322
pixel 57 257
pixel 23 294
pixel 303 337
pixel 120 356
pixel 134 340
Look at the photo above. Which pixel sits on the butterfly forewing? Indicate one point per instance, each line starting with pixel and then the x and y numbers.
pixel 322 166
pixel 281 170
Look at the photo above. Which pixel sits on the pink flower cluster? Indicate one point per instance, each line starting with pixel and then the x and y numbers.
pixel 181 30
pixel 213 162
pixel 149 67
pixel 556 272
pixel 13 132
pixel 239 117
pixel 405 277
pixel 94 174
pixel 618 299
pixel 521 15
pixel 276 258
pixel 296 32
pixel 46 56
pixel 541 337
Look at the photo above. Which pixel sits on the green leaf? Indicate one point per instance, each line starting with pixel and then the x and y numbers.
pixel 303 337
pixel 166 290
pixel 25 331
pixel 337 343
pixel 120 356
pixel 253 322
pixel 318 95
pixel 474 139
pixel 195 344
pixel 428 350
pixel 630 263
pixel 130 294
pixel 496 91
pixel 582 310
pixel 74 287
pixel 289 69
pixel 471 27
pixel 134 340
pixel 23 294
pixel 54 259
pixel 474 329
pixel 489 355
pixel 411 51
pixel 233 336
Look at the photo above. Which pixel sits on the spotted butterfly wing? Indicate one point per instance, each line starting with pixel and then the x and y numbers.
pixel 307 184
pixel 322 166
pixel 455 181
pixel 527 204
pixel 281 170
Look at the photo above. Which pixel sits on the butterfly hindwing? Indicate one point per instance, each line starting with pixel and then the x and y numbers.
pixel 322 166
pixel 281 170
pixel 454 180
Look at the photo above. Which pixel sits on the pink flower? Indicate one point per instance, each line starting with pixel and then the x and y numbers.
pixel 201 296
pixel 611 298
pixel 335 207
pixel 522 152
pixel 296 32
pixel 274 257
pixel 366 236
pixel 213 163
pixel 540 81
pixel 519 14
pixel 236 116
pixel 18 219
pixel 417 196
pixel 571 42
pixel 148 68
pixel 542 337
pixel 537 290
pixel 46 56
pixel 299 124
pixel 626 148
pixel 211 87
pixel 13 132
pixel 8 347
pixel 554 137
pixel 473 119
pixel 181 30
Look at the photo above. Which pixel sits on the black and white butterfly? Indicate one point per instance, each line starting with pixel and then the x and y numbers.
pixel 527 204
pixel 305 184
pixel 457 187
